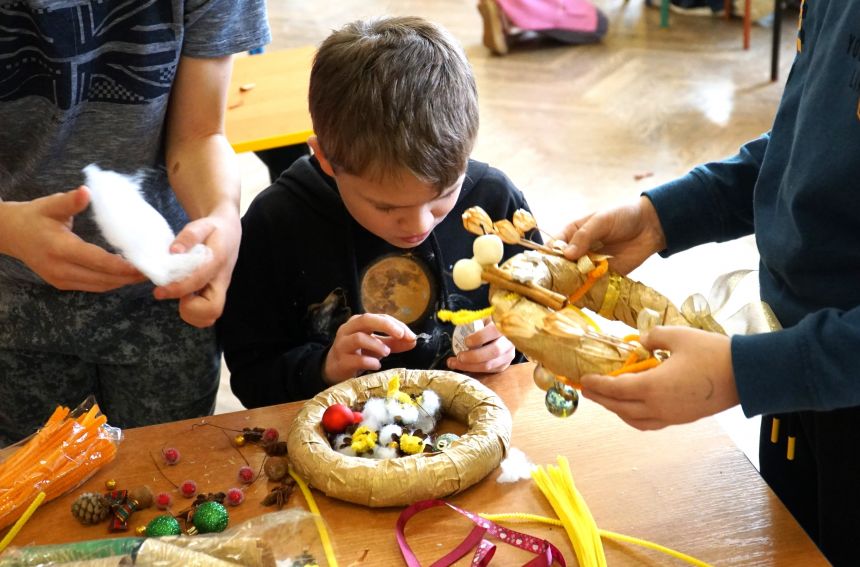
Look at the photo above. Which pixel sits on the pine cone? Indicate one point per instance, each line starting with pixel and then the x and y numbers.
pixel 90 508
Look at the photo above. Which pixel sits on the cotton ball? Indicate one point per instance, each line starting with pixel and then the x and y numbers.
pixel 467 274
pixel 426 423
pixel 381 453
pixel 516 466
pixel 341 446
pixel 430 402
pixel 488 249
pixel 386 432
pixel 406 413
pixel 375 415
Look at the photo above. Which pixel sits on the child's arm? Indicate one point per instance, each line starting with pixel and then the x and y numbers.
pixel 696 381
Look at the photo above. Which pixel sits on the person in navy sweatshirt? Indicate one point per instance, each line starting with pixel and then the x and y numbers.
pixel 346 259
pixel 796 189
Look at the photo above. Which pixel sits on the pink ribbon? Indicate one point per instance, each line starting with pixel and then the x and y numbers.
pixel 547 553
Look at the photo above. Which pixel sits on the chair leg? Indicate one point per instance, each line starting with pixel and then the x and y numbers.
pixel 728 9
pixel 664 14
pixel 747 22
pixel 777 29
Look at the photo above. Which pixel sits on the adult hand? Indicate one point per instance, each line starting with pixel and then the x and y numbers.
pixel 629 233
pixel 202 294
pixel 489 351
pixel 39 233
pixel 362 342
pixel 696 381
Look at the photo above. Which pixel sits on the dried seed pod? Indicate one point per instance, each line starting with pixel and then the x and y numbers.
pixel 90 508
pixel 507 231
pixel 524 221
pixel 276 468
pixel 477 221
pixel 143 496
pixel 276 449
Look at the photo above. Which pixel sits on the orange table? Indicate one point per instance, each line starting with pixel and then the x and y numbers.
pixel 687 487
pixel 267 105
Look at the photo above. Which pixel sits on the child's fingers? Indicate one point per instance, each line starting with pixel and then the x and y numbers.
pixel 483 336
pixel 381 324
pixel 361 342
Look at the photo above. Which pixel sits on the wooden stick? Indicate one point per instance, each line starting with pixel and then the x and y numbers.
pixel 546 297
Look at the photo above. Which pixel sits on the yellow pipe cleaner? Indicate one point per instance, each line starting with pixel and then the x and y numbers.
pixel 557 485
pixel 312 506
pixel 464 316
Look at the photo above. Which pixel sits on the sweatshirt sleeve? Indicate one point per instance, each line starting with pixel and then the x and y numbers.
pixel 809 366
pixel 270 359
pixel 712 203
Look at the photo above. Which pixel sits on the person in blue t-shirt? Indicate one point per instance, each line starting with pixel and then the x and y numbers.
pixel 133 87
pixel 795 189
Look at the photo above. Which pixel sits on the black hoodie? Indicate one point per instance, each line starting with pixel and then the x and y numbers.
pixel 305 265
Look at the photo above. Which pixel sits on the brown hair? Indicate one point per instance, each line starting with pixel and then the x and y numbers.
pixel 394 93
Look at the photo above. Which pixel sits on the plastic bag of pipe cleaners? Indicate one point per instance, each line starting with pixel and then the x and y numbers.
pixel 288 538
pixel 68 449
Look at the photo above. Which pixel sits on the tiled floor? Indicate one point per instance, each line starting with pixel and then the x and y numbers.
pixel 576 128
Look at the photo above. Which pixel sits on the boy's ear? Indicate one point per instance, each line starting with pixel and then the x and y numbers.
pixel 325 164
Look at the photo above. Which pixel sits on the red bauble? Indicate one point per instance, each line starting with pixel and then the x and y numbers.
pixel 188 488
pixel 171 455
pixel 246 475
pixel 337 418
pixel 357 417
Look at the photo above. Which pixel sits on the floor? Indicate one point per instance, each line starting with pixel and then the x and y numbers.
pixel 581 128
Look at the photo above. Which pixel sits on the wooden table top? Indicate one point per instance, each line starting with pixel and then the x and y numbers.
pixel 688 488
pixel 267 106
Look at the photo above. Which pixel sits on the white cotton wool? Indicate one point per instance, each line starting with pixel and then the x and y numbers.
pixel 426 423
pixel 374 414
pixel 516 466
pixel 382 453
pixel 387 431
pixel 430 402
pixel 136 229
pixel 406 413
pixel 338 445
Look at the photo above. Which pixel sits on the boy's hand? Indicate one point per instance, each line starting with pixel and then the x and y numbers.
pixel 489 351
pixel 202 294
pixel 696 381
pixel 361 342
pixel 629 233
pixel 39 234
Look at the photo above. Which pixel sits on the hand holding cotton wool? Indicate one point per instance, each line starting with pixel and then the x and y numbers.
pixel 136 229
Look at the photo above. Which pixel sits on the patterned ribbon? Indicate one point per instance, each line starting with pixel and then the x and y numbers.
pixel 122 507
pixel 547 553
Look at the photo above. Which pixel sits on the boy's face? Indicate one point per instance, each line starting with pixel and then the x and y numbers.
pixel 402 210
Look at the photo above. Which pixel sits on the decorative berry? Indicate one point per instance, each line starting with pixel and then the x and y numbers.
pixel 246 474
pixel 171 455
pixel 188 488
pixel 90 508
pixel 110 484
pixel 239 440
pixel 163 501
pixel 270 435
pixel 336 418
pixel 235 496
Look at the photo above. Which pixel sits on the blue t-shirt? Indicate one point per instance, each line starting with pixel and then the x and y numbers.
pixel 88 81
pixel 797 189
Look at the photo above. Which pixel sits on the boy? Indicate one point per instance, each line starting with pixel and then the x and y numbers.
pixel 349 254
pixel 795 188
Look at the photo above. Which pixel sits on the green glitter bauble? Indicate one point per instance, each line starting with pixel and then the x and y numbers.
pixel 210 517
pixel 163 525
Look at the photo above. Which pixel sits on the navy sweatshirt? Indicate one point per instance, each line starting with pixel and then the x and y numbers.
pixel 305 266
pixel 797 189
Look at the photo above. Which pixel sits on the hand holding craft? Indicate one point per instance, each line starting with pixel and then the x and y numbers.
pixel 361 342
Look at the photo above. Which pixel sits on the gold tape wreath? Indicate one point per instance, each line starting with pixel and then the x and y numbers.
pixel 403 480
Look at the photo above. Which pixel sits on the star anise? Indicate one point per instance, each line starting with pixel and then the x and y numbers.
pixel 280 495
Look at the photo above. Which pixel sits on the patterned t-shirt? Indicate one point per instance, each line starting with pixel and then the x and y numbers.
pixel 88 81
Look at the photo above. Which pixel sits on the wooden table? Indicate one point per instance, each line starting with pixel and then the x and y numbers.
pixel 267 106
pixel 688 488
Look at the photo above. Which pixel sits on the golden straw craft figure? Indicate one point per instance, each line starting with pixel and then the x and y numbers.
pixel 537 299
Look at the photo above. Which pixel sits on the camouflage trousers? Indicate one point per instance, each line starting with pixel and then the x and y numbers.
pixel 143 364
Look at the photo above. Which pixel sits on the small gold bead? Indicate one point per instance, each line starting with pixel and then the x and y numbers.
pixel 239 440
pixel 140 530
pixel 110 484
